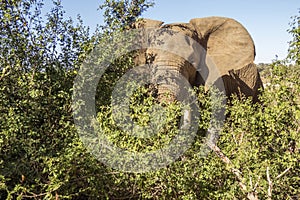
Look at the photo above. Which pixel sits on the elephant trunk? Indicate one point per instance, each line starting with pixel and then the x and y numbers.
pixel 171 77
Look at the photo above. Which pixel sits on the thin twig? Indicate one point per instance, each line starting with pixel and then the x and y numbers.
pixel 235 139
pixel 284 172
pixel 241 138
pixel 270 185
pixel 256 183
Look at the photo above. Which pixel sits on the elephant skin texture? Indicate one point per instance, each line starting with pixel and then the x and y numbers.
pixel 220 52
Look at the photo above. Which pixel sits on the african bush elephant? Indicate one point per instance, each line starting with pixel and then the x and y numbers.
pixel 227 53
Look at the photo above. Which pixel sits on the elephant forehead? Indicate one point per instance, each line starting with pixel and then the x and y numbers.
pixel 184 29
pixel 147 23
pixel 165 43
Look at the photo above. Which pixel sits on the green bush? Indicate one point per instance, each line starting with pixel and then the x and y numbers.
pixel 257 155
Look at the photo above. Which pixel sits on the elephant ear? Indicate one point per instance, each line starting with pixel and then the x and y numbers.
pixel 226 41
pixel 231 49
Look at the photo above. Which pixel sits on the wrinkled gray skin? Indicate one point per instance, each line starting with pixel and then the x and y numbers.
pixel 224 57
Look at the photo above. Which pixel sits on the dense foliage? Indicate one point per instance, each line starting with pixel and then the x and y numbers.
pixel 294 50
pixel 257 155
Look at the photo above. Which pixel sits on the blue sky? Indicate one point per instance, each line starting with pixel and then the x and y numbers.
pixel 266 20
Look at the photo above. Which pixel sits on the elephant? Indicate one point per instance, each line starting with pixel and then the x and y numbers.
pixel 225 56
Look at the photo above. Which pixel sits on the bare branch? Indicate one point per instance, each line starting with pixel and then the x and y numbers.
pixel 270 185
pixel 284 172
pixel 236 172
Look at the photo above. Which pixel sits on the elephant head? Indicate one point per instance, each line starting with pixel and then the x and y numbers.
pixel 207 51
